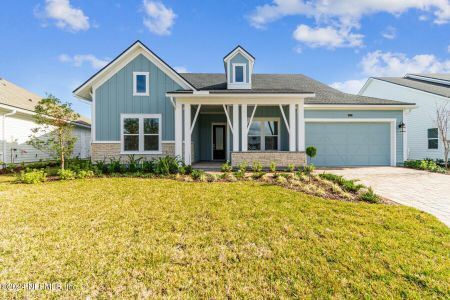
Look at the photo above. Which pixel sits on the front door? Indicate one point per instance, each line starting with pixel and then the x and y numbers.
pixel 218 142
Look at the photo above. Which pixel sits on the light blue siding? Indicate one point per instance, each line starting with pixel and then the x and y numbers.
pixel 115 96
pixel 381 136
pixel 240 59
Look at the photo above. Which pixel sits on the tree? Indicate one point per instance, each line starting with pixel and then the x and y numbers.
pixel 311 151
pixel 54 134
pixel 443 124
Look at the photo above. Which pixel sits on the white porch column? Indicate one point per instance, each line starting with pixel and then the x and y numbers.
pixel 187 134
pixel 244 127
pixel 179 130
pixel 301 125
pixel 235 127
pixel 292 143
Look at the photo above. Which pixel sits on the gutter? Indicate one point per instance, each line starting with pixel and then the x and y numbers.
pixel 13 112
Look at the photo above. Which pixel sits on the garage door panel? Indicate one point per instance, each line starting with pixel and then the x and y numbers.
pixel 349 144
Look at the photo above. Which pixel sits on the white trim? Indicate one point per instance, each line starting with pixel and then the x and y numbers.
pixel 212 139
pixel 405 136
pixel 187 134
pixel 141 118
pixel 228 118
pixel 292 127
pixel 167 142
pixel 262 133
pixel 241 98
pixel 251 117
pixel 124 59
pixel 235 127
pixel 178 120
pixel 195 117
pixel 301 126
pixel 285 120
pixel 244 126
pixel 358 107
pixel 240 50
pixel 93 137
pixel 244 75
pixel 147 83
pixel 393 131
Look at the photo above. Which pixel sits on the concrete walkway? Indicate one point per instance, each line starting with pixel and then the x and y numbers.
pixel 429 192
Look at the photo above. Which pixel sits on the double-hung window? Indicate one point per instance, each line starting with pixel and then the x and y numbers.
pixel 240 73
pixel 433 138
pixel 264 135
pixel 141 84
pixel 141 134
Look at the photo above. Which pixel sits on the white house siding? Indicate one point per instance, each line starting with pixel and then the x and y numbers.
pixel 18 129
pixel 419 120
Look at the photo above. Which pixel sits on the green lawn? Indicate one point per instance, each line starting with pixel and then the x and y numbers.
pixel 138 238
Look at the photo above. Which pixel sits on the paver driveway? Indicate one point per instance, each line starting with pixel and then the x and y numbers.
pixel 426 191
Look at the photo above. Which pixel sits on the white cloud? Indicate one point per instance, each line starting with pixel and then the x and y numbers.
pixel 66 16
pixel 79 59
pixel 181 69
pixel 159 19
pixel 379 63
pixel 327 37
pixel 344 16
pixel 389 33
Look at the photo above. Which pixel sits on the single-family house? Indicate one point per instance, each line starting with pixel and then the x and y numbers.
pixel 141 106
pixel 428 91
pixel 16 124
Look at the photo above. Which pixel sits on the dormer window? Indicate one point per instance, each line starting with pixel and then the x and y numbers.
pixel 239 68
pixel 141 84
pixel 239 71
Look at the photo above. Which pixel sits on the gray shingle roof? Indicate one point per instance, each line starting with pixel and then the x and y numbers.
pixel 440 76
pixel 18 97
pixel 425 86
pixel 285 83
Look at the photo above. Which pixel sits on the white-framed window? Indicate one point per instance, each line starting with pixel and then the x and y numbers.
pixel 141 83
pixel 239 73
pixel 264 135
pixel 433 138
pixel 140 133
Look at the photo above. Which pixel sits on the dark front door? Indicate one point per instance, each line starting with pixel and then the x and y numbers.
pixel 219 142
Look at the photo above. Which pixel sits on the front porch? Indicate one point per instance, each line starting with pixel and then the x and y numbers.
pixel 258 130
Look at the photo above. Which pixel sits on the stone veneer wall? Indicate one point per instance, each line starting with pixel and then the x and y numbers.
pixel 105 151
pixel 281 158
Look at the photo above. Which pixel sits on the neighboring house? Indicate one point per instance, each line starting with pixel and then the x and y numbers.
pixel 142 106
pixel 428 91
pixel 16 122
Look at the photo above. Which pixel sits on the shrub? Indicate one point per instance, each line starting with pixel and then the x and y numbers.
pixel 308 169
pixel 258 175
pixel 226 167
pixel 148 166
pixel 134 164
pixel 211 177
pixel 189 169
pixel 66 174
pixel 273 167
pixel 347 185
pixel 311 151
pixel 32 177
pixel 281 180
pixel 243 167
pixel 257 167
pixel 291 167
pixel 426 165
pixel 115 166
pixel 166 165
pixel 197 174
pixel 85 174
pixel 370 196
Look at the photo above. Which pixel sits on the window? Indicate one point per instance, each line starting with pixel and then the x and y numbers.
pixel 263 135
pixel 141 83
pixel 141 134
pixel 433 138
pixel 239 71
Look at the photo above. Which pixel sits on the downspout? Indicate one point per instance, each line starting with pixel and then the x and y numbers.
pixel 13 112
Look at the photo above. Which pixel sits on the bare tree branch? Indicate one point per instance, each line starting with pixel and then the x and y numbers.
pixel 443 124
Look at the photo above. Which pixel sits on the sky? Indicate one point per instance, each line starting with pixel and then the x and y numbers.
pixel 53 46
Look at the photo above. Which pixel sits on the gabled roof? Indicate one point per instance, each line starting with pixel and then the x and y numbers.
pixel 84 90
pixel 421 85
pixel 17 97
pixel 283 84
pixel 240 49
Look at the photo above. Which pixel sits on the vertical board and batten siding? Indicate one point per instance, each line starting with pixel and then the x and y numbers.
pixel 419 120
pixel 240 59
pixel 115 97
pixel 359 114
